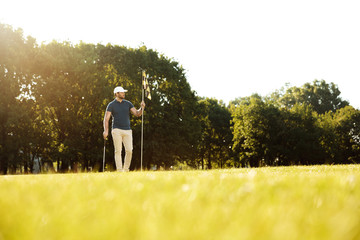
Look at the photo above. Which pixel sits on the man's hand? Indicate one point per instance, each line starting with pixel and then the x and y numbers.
pixel 142 104
pixel 105 134
pixel 106 124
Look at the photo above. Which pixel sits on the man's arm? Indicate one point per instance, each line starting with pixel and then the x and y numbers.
pixel 106 124
pixel 138 112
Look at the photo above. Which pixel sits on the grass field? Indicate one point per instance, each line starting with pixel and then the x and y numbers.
pixel 316 202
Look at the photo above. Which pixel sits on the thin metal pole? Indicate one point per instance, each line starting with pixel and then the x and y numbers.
pixel 104 156
pixel 142 120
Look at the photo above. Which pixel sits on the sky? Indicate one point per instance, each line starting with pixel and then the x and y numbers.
pixel 229 48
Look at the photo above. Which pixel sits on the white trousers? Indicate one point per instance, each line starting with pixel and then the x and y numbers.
pixel 121 137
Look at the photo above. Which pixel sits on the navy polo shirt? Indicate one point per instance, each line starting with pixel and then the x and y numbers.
pixel 120 112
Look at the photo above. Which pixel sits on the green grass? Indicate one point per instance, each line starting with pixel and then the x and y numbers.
pixel 317 202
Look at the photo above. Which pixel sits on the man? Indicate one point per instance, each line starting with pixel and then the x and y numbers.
pixel 121 132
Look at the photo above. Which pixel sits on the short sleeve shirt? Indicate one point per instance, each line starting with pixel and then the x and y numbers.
pixel 120 112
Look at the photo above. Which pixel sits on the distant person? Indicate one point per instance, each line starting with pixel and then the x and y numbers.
pixel 121 132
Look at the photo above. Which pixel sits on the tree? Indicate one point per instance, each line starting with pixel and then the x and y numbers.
pixel 267 135
pixel 341 136
pixel 15 76
pixel 216 136
pixel 323 97
pixel 251 129
pixel 70 90
pixel 300 137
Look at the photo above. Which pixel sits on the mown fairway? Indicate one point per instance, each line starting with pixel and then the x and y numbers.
pixel 317 202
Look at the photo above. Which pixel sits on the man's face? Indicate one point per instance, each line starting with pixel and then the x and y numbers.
pixel 120 95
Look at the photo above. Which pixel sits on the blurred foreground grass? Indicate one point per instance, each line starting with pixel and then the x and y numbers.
pixel 316 202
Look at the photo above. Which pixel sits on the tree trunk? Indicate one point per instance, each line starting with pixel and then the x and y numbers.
pixel 202 161
pixel 209 160
pixel 4 165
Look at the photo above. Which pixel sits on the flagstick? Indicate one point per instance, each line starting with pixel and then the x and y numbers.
pixel 142 123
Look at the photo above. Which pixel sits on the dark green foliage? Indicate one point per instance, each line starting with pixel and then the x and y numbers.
pixel 53 99
pixel 214 146
pixel 307 125
pixel 68 88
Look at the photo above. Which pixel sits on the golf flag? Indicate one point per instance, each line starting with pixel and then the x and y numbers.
pixel 146 86
pixel 145 91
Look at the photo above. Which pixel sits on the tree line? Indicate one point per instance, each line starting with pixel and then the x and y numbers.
pixel 53 98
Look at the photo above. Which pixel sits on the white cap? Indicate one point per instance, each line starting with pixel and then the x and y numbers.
pixel 119 89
